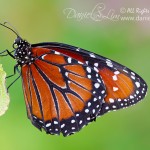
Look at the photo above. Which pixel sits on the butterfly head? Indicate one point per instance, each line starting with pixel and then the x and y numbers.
pixel 20 43
pixel 23 53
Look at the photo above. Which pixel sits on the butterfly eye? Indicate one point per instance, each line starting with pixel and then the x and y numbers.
pixel 18 41
pixel 15 46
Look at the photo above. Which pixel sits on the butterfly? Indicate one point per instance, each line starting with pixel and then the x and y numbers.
pixel 66 87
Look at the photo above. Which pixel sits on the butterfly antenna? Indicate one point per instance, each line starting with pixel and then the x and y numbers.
pixel 12 27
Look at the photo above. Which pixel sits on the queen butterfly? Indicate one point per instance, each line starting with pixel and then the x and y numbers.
pixel 66 87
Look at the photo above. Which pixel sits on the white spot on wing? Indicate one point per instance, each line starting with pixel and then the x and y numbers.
pixel 80 122
pixel 89 104
pixel 106 107
pixel 89 76
pixel 111 100
pixel 103 92
pixel 109 64
pixel 113 106
pixel 86 110
pixel 119 100
pixel 69 60
pixel 92 55
pixel 62 126
pixel 48 125
pixel 131 97
pixel 137 84
pixel 73 121
pixel 96 69
pixel 96 64
pixel 55 122
pixel 133 77
pixel 133 73
pixel 116 72
pixel 97 85
pixel 115 78
pixel 43 56
pixel 66 74
pixel 78 49
pixel 88 69
pixel 99 80
pixel 95 99
pixel 125 70
pixel 93 111
pixel 137 92
pixel 57 53
pixel 115 89
pixel 80 62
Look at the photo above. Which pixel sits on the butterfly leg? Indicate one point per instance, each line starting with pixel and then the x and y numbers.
pixel 15 69
pixel 13 82
pixel 7 53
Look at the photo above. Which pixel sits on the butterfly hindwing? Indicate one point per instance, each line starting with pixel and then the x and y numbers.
pixel 63 93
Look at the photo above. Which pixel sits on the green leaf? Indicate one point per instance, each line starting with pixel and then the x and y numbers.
pixel 4 96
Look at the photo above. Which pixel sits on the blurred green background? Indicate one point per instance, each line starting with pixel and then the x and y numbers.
pixel 127 42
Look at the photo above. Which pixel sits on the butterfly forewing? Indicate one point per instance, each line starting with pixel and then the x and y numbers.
pixel 123 86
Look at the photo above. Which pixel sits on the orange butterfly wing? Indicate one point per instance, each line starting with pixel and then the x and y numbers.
pixel 67 87
pixel 58 93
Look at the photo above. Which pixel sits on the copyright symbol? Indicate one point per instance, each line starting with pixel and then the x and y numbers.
pixel 123 10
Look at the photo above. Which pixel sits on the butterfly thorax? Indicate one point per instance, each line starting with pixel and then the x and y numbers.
pixel 23 53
